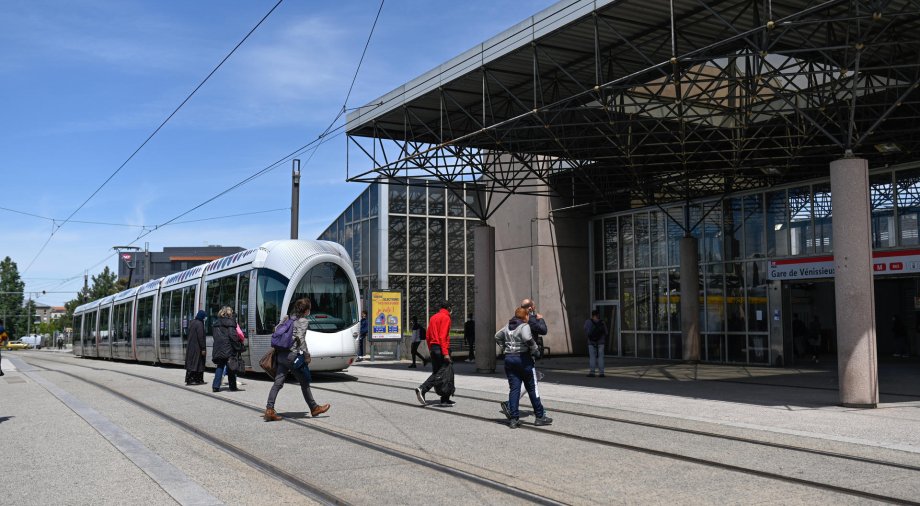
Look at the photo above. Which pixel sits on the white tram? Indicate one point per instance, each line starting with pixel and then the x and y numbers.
pixel 149 323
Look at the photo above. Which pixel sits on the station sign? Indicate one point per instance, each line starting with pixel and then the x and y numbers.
pixel 386 312
pixel 883 262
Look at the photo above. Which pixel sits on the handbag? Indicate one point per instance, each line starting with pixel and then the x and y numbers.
pixel 236 365
pixel 267 362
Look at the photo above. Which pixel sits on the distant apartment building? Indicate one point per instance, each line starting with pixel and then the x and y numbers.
pixel 157 264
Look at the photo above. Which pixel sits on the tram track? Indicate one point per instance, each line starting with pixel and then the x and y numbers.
pixel 306 488
pixel 565 435
pixel 695 432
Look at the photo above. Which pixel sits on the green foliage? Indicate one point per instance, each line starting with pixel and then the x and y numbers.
pixel 104 284
pixel 15 316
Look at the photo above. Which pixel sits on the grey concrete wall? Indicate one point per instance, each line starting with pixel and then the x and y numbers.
pixel 556 245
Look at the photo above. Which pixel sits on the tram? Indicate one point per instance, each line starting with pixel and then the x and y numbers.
pixel 149 323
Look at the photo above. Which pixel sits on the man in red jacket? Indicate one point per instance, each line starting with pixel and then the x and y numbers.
pixel 438 340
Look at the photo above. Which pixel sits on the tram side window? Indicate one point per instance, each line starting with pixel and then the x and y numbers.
pixel 145 318
pixel 242 310
pixel 175 313
pixel 188 309
pixel 105 325
pixel 270 288
pixel 91 329
pixel 77 333
pixel 164 318
pixel 220 292
pixel 118 318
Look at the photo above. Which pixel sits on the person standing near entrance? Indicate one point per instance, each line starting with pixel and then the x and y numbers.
pixel 226 344
pixel 438 339
pixel 469 334
pixel 596 334
pixel 418 333
pixel 899 331
pixel 362 335
pixel 814 338
pixel 799 335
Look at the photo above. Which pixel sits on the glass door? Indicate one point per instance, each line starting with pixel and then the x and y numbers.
pixel 610 316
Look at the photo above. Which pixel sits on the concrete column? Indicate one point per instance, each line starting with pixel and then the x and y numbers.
pixel 484 286
pixel 690 298
pixel 853 284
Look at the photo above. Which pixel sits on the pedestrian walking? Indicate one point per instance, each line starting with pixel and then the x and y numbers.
pixel 4 337
pixel 197 350
pixel 438 339
pixel 518 345
pixel 362 336
pixel 285 363
pixel 418 334
pixel 596 335
pixel 537 329
pixel 469 335
pixel 226 344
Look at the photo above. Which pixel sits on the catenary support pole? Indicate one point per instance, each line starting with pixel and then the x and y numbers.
pixel 484 297
pixel 689 298
pixel 295 198
pixel 853 283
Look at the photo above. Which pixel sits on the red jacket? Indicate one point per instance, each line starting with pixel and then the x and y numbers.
pixel 439 331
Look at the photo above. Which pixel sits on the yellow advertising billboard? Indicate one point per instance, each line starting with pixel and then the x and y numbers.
pixel 386 311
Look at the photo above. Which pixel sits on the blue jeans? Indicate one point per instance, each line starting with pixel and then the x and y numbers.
pixel 519 369
pixel 219 370
pixel 596 356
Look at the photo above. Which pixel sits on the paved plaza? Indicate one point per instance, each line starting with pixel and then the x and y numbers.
pixel 102 432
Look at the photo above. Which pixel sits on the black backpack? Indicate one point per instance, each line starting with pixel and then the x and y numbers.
pixel 597 331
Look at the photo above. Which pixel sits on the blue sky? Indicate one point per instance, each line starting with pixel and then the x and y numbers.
pixel 84 82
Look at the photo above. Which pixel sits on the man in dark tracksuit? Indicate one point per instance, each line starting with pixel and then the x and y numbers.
pixel 537 330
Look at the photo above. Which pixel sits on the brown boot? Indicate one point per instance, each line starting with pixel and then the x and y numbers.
pixel 271 416
pixel 318 410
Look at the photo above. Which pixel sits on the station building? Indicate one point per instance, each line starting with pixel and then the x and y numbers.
pixel 415 238
pixel 717 178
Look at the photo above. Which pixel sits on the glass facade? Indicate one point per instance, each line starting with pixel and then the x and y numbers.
pixel 635 262
pixel 429 239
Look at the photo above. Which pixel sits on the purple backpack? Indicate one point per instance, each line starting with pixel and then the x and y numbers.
pixel 283 336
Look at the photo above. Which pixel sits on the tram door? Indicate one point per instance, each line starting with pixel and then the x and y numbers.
pixel 613 344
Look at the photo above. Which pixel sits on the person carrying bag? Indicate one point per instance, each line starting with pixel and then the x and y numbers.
pixel 289 354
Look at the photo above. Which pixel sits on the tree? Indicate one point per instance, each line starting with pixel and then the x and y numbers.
pixel 12 310
pixel 104 284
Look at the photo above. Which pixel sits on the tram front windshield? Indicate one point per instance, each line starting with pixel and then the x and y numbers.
pixel 332 295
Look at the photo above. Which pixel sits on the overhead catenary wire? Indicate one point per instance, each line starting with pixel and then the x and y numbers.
pixel 332 131
pixel 149 137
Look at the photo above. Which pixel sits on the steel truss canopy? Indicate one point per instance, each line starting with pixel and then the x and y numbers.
pixel 625 103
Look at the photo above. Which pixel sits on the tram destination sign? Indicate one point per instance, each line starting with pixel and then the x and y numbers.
pixel 883 263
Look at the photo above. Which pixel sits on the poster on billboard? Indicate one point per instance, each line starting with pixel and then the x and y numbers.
pixel 386 311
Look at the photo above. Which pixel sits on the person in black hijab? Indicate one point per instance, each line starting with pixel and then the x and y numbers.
pixel 196 352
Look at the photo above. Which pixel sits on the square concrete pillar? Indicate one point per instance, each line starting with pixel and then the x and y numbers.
pixel 853 283
pixel 690 298
pixel 484 286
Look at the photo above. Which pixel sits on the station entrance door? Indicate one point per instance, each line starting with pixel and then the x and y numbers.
pixel 809 325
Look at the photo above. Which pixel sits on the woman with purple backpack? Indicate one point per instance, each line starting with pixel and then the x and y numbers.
pixel 287 350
